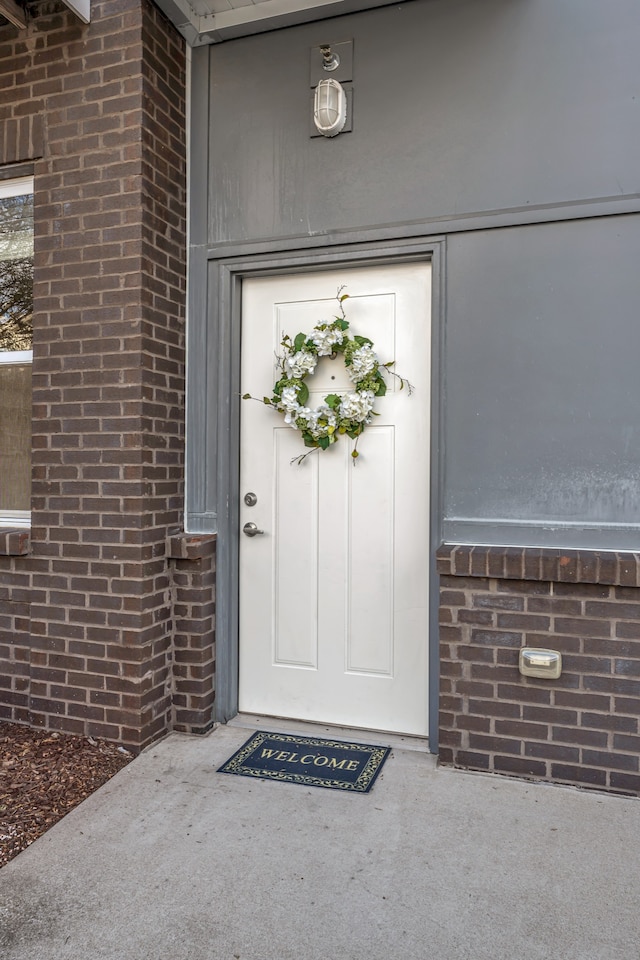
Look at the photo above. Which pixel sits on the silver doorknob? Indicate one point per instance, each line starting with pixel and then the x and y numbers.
pixel 251 530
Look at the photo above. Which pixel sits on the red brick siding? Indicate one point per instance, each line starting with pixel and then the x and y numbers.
pixel 106 103
pixel 582 728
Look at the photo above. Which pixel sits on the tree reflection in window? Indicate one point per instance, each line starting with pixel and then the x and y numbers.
pixel 16 316
pixel 16 272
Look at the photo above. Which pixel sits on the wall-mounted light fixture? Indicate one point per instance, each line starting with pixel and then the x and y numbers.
pixel 331 67
pixel 329 108
pixel 330 59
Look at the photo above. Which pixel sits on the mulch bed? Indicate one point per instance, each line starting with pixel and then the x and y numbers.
pixel 44 775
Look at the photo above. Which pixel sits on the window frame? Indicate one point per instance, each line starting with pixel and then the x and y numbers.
pixel 16 187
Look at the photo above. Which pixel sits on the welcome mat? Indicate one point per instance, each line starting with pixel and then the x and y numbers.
pixel 308 760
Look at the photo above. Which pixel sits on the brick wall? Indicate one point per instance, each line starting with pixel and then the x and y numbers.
pixel 580 729
pixel 100 110
pixel 15 637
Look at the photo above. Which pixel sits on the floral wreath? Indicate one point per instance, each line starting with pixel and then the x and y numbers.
pixel 336 415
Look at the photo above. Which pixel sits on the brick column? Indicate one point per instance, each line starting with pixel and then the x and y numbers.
pixel 194 580
pixel 108 371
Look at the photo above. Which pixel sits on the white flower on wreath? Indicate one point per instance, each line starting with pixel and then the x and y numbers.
pixel 357 406
pixel 363 363
pixel 326 340
pixel 302 413
pixel 300 364
pixel 289 405
pixel 328 417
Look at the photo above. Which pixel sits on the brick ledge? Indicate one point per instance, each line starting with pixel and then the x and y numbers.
pixel 15 541
pixel 537 563
pixel 185 546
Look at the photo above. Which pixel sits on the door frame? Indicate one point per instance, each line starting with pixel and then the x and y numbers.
pixel 214 412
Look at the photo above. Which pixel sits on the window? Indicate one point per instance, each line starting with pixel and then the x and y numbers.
pixel 16 311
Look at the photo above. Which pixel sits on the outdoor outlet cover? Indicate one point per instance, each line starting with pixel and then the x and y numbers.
pixel 543 664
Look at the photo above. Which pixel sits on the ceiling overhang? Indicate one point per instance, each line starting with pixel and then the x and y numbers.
pixel 212 21
pixel 81 8
pixel 16 14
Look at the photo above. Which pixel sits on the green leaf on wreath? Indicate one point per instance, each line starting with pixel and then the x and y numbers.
pixel 303 393
pixel 381 388
pixel 345 296
pixel 362 340
pixel 298 343
pixel 246 396
pixel 341 324
pixel 333 401
pixel 324 442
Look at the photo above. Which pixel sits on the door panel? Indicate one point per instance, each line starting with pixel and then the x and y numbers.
pixel 334 593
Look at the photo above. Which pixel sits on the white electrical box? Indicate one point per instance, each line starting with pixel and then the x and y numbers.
pixel 544 664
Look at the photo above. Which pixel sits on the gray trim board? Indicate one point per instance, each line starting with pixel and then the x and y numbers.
pixel 226 302
pixel 436 492
pixel 496 532
pixel 225 296
pixel 480 220
pixel 200 469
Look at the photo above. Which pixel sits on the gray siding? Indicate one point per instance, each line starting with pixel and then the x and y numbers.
pixel 542 390
pixel 512 128
pixel 460 107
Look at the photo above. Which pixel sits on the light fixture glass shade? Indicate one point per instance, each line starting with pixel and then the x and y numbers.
pixel 329 108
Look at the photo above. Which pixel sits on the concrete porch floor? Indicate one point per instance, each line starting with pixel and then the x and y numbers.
pixel 172 861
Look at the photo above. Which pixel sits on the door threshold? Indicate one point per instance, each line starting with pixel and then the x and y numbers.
pixel 253 721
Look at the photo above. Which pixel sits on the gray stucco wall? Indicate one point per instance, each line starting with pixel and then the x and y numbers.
pixel 512 127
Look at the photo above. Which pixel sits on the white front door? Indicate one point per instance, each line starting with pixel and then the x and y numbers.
pixel 334 592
